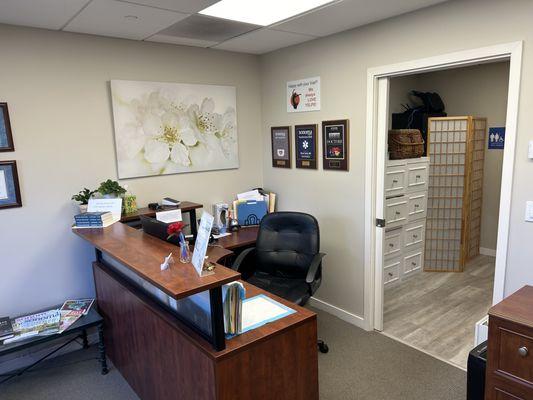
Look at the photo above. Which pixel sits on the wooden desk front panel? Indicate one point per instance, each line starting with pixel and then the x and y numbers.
pixel 157 360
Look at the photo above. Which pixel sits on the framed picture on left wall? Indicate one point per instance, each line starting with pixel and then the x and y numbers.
pixel 6 136
pixel 9 185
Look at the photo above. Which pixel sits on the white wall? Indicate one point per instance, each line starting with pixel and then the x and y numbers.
pixel 480 91
pixel 342 60
pixel 57 88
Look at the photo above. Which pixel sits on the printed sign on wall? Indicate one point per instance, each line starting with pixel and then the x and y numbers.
pixel 335 144
pixel 496 138
pixel 305 141
pixel 281 146
pixel 303 95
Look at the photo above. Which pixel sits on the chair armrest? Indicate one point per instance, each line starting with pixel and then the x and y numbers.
pixel 313 268
pixel 241 257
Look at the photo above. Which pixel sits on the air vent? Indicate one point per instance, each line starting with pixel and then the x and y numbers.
pixel 210 29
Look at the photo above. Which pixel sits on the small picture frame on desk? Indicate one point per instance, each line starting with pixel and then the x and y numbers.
pixel 281 146
pixel 9 185
pixel 6 136
pixel 335 144
pixel 305 145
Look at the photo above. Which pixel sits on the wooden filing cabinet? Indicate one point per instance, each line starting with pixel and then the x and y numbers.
pixel 510 348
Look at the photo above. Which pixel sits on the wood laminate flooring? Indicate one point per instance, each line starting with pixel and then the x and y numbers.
pixel 437 311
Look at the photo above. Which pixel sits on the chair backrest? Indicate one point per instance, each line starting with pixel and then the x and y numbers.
pixel 287 243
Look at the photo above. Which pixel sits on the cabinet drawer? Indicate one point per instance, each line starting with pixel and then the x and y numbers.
pixel 412 262
pixel 417 177
pixel 395 181
pixel 516 355
pixel 413 235
pixel 417 205
pixel 392 245
pixel 396 211
pixel 391 271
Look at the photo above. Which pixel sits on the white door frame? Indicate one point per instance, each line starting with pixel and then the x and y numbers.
pixel 375 136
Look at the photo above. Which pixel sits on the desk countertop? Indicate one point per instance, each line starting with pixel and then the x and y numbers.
pixel 143 254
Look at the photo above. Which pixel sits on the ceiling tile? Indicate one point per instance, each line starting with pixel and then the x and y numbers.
pixel 184 6
pixel 180 40
pixel 262 41
pixel 349 14
pixel 48 14
pixel 124 20
pixel 208 28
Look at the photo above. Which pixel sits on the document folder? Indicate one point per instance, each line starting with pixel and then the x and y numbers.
pixel 251 212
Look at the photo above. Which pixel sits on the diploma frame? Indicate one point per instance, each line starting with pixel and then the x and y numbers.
pixel 13 200
pixel 6 128
pixel 306 163
pixel 281 145
pixel 333 161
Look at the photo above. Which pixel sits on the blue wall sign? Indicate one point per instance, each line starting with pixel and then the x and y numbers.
pixel 496 138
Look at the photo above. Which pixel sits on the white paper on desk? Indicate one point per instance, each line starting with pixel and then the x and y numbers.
pixel 114 206
pixel 222 235
pixel 251 195
pixel 168 217
pixel 261 309
pixel 202 240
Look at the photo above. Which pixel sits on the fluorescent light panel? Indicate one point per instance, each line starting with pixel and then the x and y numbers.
pixel 261 12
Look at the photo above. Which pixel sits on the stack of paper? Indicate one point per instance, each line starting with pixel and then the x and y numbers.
pixel 233 295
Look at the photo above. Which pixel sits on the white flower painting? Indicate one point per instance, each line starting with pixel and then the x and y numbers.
pixel 169 128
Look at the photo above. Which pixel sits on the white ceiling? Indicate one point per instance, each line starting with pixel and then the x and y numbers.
pixel 145 19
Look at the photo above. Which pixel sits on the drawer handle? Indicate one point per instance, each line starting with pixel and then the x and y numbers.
pixel 415 236
pixel 391 245
pixel 398 213
pixel 391 274
pixel 413 264
pixel 417 205
pixel 523 351
pixel 395 181
pixel 418 177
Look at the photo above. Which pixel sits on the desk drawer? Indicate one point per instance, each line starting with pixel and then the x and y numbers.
pixel 413 262
pixel 417 177
pixel 395 181
pixel 396 211
pixel 392 245
pixel 516 355
pixel 413 236
pixel 391 271
pixel 417 206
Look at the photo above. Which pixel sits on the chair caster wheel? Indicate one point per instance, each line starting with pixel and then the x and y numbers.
pixel 323 347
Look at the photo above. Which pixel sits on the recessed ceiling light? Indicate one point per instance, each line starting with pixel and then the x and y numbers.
pixel 131 17
pixel 261 12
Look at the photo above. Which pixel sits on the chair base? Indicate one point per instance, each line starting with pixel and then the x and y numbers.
pixel 322 346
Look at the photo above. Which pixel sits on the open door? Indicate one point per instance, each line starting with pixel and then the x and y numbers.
pixel 382 126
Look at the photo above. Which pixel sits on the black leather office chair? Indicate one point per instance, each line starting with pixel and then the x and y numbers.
pixel 286 260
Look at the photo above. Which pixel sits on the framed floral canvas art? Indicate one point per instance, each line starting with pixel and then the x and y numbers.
pixel 169 128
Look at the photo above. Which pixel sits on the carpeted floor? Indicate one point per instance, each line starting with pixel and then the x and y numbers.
pixel 360 365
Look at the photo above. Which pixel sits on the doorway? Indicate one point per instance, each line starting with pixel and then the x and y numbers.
pixel 379 80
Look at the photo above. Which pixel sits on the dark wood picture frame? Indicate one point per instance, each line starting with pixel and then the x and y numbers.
pixel 18 200
pixel 276 161
pixel 336 162
pixel 9 134
pixel 306 163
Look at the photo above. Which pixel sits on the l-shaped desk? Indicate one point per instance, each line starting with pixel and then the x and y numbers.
pixel 165 349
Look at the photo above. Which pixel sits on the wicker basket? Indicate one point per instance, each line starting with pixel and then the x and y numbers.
pixel 405 143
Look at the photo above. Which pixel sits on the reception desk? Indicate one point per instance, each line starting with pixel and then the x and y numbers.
pixel 164 329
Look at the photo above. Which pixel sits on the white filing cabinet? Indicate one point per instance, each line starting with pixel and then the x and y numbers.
pixel 406 184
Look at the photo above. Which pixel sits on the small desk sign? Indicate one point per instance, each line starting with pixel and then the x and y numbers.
pixel 202 240
pixel 335 144
pixel 496 138
pixel 281 146
pixel 303 95
pixel 305 144
pixel 114 206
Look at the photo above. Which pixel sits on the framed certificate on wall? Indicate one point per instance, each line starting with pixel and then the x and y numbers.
pixel 9 185
pixel 335 144
pixel 305 145
pixel 281 146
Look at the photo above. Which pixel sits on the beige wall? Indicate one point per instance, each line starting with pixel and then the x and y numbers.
pixel 342 60
pixel 480 91
pixel 57 87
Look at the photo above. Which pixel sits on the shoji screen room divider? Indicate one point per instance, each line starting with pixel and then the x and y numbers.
pixel 455 191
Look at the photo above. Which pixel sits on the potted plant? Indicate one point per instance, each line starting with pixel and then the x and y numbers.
pixel 82 197
pixel 111 189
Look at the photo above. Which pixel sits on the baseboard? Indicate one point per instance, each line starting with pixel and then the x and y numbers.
pixel 18 360
pixel 487 252
pixel 339 312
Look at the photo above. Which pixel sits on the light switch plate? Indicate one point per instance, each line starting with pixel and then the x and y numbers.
pixel 529 211
pixel 530 150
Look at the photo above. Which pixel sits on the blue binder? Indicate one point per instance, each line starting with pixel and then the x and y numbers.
pixel 251 212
